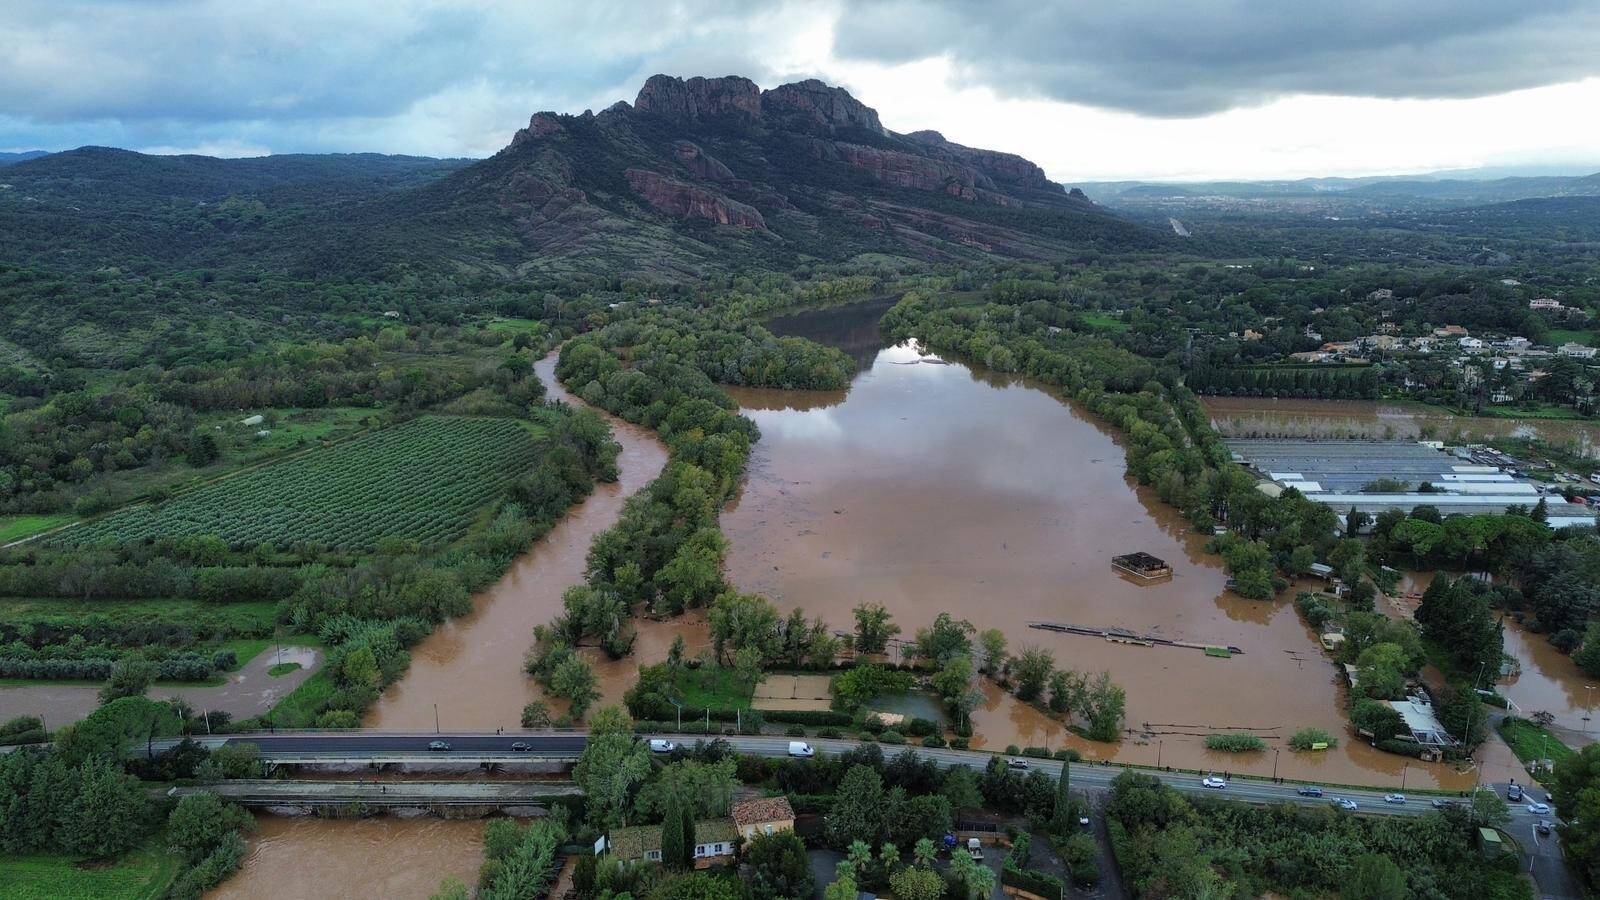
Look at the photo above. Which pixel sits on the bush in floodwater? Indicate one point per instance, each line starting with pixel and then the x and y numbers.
pixel 1234 743
pixel 1306 738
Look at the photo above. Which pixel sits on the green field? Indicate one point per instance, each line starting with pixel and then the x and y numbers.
pixel 15 528
pixel 138 875
pixel 1557 337
pixel 713 687
pixel 424 480
pixel 1104 322
pixel 240 619
pixel 1527 740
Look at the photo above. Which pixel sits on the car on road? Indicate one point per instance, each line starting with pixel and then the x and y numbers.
pixel 801 750
pixel 1539 809
pixel 1544 826
pixel 1310 791
pixel 1344 803
pixel 662 745
pixel 520 746
pixel 1514 792
pixel 1212 781
pixel 1396 799
pixel 1441 803
pixel 438 745
pixel 1021 765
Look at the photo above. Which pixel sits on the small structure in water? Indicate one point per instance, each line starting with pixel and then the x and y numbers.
pixel 1142 565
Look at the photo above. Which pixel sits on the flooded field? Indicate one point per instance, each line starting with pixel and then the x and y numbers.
pixel 933 486
pixel 1267 417
pixel 471 668
pixel 381 857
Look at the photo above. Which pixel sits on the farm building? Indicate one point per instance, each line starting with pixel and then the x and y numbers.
pixel 1142 565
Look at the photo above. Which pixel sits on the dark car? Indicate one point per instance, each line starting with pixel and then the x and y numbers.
pixel 521 746
pixel 438 745
pixel 1310 791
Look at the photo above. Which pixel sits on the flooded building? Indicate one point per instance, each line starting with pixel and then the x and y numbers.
pixel 1142 565
pixel 1377 476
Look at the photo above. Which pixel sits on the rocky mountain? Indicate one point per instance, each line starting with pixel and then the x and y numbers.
pixel 696 175
pixel 699 174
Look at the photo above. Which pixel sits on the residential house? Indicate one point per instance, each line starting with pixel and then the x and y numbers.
pixel 1311 356
pixel 1513 343
pixel 714 839
pixel 1384 342
pixel 1381 294
pixel 1470 344
pixel 1544 303
pixel 1450 331
pixel 1250 334
pixel 767 815
pixel 1576 351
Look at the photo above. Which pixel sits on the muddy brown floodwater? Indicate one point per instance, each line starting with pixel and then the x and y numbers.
pixel 1268 417
pixel 933 486
pixel 396 859
pixel 471 667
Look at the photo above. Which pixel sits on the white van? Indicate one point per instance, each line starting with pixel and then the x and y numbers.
pixel 801 750
pixel 660 745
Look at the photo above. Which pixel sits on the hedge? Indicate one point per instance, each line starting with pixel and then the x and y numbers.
pixel 811 804
pixel 813 717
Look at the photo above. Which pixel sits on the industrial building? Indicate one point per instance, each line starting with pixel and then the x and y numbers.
pixel 1342 474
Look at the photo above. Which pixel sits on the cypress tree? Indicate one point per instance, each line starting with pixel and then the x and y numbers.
pixel 686 814
pixel 1062 820
pixel 672 837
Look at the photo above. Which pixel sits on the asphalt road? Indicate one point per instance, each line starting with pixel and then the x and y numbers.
pixel 1542 854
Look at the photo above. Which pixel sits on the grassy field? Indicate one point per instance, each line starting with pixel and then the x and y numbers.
pixel 282 669
pixel 241 619
pixel 1558 336
pixel 300 708
pixel 290 429
pixel 1104 322
pixel 1527 740
pixel 425 479
pixel 15 528
pixel 713 688
pixel 1537 411
pixel 140 875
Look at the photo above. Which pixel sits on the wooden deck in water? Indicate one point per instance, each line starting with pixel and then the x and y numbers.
pixel 1124 636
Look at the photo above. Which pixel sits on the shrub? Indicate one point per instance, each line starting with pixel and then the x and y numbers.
pixel 831 733
pixel 919 727
pixel 795 731
pixel 933 740
pixel 1013 750
pixel 867 737
pixel 810 717
pixel 536 715
pixel 892 737
pixel 1306 737
pixel 1235 743
pixel 960 743
pixel 1036 752
pixel 1067 754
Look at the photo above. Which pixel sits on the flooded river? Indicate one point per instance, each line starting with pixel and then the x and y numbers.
pixel 933 486
pixel 471 667
pixel 383 857
pixel 1267 417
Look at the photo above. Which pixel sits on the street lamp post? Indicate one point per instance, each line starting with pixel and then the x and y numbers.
pixel 1404 771
pixel 1158 754
pixel 1588 707
pixel 1275 753
pixel 436 718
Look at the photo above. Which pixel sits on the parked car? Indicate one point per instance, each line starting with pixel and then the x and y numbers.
pixel 975 849
pixel 1212 781
pixel 1083 821
pixel 1020 765
pixel 520 746
pixel 1544 826
pixel 1396 799
pixel 1514 792
pixel 1310 791
pixel 662 745
pixel 801 750
pixel 1539 809
pixel 438 745
pixel 1344 803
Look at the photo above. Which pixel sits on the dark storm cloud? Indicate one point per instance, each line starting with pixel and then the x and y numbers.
pixel 1186 58
pixel 311 72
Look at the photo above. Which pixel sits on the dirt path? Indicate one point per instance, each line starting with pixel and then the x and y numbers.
pixel 249 691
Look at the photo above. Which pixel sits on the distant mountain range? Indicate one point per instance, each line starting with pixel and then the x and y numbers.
pixel 7 159
pixel 1453 188
pixel 696 175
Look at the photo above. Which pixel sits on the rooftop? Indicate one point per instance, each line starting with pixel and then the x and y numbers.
pixel 765 809
pixel 637 840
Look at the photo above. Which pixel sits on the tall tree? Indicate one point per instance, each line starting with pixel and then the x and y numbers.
pixel 673 854
pixel 1061 822
pixel 858 811
pixel 1374 876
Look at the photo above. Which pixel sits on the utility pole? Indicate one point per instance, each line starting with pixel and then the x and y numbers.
pixel 1404 771
pixel 436 718
pixel 1588 707
pixel 1275 753
pixel 1158 754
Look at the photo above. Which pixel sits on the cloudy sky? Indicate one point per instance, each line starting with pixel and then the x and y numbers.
pixel 1170 89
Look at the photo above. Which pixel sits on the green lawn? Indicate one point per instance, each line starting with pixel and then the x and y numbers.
pixel 282 669
pixel 1527 740
pixel 712 688
pixel 15 528
pixel 300 708
pixel 1535 411
pixel 142 874
pixel 1104 322
pixel 1558 336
